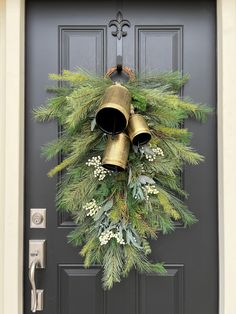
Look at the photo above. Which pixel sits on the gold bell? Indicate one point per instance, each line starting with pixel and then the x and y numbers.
pixel 116 152
pixel 113 114
pixel 138 130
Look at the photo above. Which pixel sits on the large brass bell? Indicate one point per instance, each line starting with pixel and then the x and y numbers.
pixel 116 152
pixel 138 130
pixel 113 114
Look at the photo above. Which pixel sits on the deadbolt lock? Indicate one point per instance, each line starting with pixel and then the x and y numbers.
pixel 38 218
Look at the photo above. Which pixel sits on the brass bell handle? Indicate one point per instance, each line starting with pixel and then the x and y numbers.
pixel 32 269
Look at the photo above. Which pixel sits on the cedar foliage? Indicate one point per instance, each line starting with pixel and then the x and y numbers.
pixel 124 207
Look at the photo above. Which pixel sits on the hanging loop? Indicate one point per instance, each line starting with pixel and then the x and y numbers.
pixel 125 69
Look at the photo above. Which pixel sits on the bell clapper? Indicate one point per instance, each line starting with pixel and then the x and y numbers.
pixel 114 128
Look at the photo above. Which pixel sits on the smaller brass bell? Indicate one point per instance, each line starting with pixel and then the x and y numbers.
pixel 113 114
pixel 138 130
pixel 116 152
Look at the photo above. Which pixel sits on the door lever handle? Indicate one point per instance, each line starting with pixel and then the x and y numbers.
pixel 32 269
pixel 36 260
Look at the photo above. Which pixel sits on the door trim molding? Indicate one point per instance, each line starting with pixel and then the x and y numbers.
pixel 226 46
pixel 12 20
pixel 11 156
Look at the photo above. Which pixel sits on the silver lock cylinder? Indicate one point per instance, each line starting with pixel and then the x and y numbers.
pixel 38 218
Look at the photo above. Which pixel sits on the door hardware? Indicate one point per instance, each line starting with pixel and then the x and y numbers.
pixel 119 33
pixel 38 218
pixel 37 249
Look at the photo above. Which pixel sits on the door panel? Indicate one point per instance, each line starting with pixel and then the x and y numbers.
pixel 164 36
pixel 158 48
pixel 84 43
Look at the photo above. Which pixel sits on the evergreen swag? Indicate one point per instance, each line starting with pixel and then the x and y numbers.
pixel 117 213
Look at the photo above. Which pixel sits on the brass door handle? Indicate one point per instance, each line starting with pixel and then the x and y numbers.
pixel 32 269
pixel 37 249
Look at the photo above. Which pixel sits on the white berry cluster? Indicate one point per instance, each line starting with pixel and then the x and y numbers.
pixel 99 171
pixel 150 189
pixel 157 151
pixel 107 235
pixel 91 207
pixel 142 168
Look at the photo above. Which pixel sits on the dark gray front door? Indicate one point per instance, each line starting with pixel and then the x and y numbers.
pixel 164 35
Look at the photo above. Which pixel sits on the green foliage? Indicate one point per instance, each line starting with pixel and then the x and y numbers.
pixel 117 214
pixel 168 81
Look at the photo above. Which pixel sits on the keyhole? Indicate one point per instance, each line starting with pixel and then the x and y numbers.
pixel 37 218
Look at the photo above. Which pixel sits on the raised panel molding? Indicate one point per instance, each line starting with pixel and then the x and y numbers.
pixel 139 293
pixel 79 288
pixel 83 288
pixel 65 220
pixel 158 48
pixel 83 46
pixel 162 294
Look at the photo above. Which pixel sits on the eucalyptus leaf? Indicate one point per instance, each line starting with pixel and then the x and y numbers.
pixel 132 239
pixel 134 190
pixel 111 225
pixel 147 149
pixel 145 179
pixel 135 149
pixel 93 124
pixel 140 194
pixel 138 240
pixel 99 214
pixel 130 176
pixel 108 205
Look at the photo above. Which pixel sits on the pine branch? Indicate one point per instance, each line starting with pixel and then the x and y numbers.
pixel 172 81
pixel 56 109
pixel 128 208
pixel 178 134
pixel 113 265
pixel 53 148
pixel 69 76
pixel 181 151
